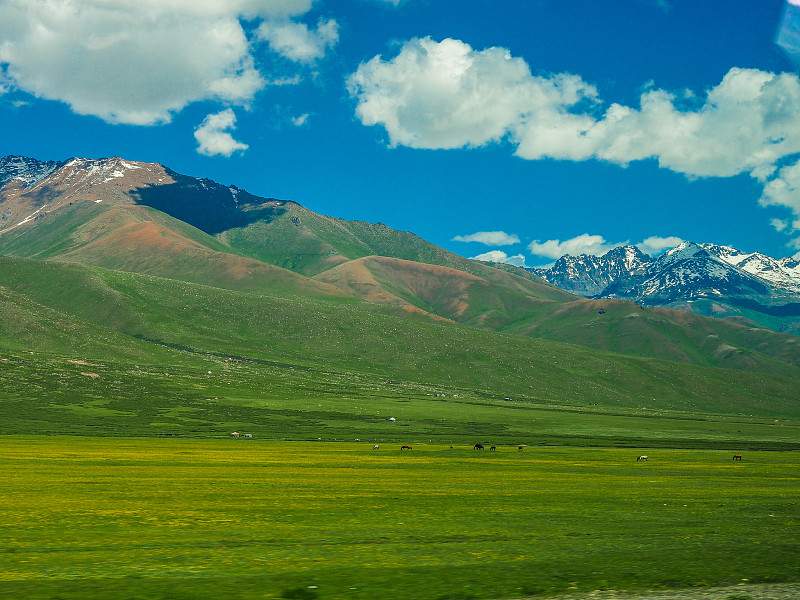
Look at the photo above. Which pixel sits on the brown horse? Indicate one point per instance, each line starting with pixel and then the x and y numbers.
pixel 737 457
pixel 405 447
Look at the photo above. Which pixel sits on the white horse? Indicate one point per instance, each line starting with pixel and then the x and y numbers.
pixel 642 457
pixel 376 447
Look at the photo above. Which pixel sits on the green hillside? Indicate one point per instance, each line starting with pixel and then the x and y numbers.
pixel 436 284
pixel 127 354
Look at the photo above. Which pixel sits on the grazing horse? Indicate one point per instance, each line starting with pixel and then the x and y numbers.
pixel 519 449
pixel 405 447
pixel 478 446
pixel 737 457
pixel 376 447
pixel 641 458
pixel 492 448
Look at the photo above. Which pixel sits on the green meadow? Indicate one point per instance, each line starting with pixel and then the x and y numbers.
pixel 118 476
pixel 244 518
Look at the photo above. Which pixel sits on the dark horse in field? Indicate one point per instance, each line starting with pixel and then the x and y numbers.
pixel 405 447
pixel 737 457
pixel 478 446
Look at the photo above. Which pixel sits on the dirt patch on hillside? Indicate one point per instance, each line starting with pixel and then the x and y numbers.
pixel 776 591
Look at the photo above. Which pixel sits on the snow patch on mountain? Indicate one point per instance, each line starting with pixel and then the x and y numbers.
pixel 27 171
pixel 687 272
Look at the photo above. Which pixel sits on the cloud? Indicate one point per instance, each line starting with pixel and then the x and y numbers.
pixel 788 38
pixel 213 137
pixel 583 244
pixel 779 224
pixel 135 61
pixel 296 41
pixel 490 238
pixel 499 256
pixel 444 94
pixel 747 123
pixel 281 81
pixel 784 190
pixel 301 120
pixel 656 245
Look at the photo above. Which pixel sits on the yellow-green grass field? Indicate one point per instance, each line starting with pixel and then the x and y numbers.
pixel 237 518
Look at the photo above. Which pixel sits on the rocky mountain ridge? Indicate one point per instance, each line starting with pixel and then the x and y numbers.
pixel 143 218
pixel 721 280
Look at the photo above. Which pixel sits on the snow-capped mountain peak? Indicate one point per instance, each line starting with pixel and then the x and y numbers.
pixel 688 271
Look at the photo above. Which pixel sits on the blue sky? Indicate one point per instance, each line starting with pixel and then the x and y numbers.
pixel 524 127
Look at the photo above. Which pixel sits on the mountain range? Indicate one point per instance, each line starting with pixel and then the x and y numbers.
pixel 706 279
pixel 128 259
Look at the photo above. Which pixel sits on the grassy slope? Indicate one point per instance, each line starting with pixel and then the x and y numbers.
pixel 627 328
pixel 315 243
pixel 144 240
pixel 443 291
pixel 270 364
pixel 509 299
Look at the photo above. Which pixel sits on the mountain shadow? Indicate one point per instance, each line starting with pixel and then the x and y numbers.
pixel 207 205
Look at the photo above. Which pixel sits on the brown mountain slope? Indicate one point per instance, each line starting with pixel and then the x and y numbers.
pixel 293 237
pixel 152 249
pixel 109 180
pixel 443 291
pixel 138 239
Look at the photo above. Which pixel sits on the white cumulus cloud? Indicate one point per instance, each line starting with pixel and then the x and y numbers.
pixel 784 190
pixel 213 135
pixel 656 245
pixel 135 61
pixel 499 256
pixel 583 244
pixel 296 41
pixel 747 123
pixel 440 95
pixel 447 95
pixel 490 238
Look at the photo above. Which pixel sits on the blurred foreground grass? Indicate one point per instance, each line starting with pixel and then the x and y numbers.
pixel 179 518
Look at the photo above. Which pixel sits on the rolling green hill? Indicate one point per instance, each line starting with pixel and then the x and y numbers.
pixel 141 239
pixel 167 270
pixel 348 343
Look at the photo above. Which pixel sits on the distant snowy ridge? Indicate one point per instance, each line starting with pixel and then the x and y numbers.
pixel 687 272
pixel 783 273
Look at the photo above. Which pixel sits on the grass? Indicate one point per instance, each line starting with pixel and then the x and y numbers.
pixel 253 341
pixel 200 396
pixel 171 518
